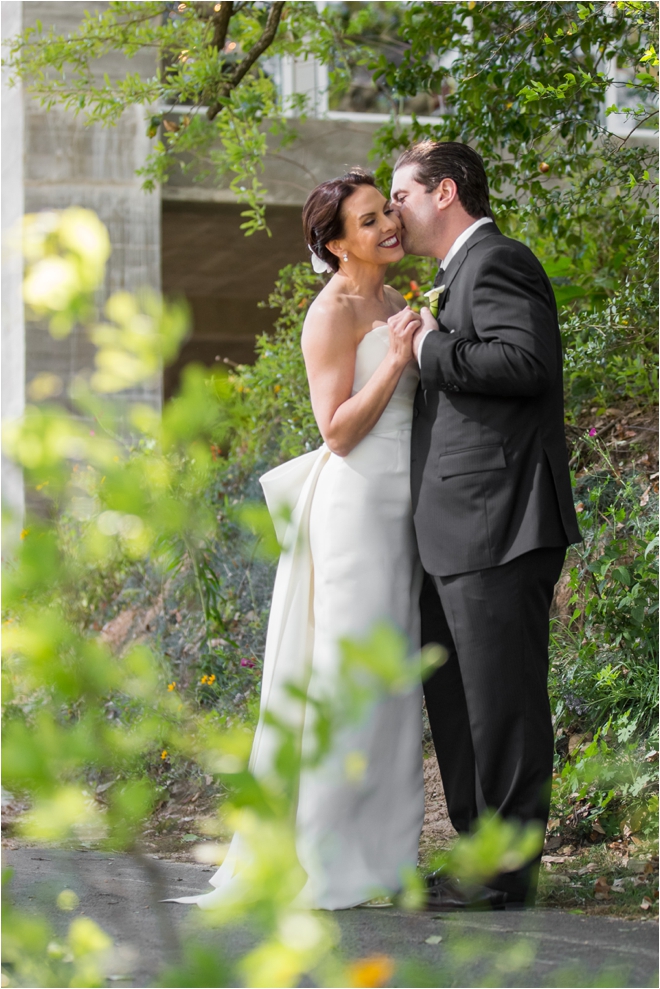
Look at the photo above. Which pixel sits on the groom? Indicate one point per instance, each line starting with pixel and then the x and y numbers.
pixel 491 498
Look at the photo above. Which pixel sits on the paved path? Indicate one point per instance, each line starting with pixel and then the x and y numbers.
pixel 531 948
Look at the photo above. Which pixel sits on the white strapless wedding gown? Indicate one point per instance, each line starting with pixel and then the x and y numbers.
pixel 350 561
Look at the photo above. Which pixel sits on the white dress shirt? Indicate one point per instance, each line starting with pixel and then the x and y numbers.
pixel 444 263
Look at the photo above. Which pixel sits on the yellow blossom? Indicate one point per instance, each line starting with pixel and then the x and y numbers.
pixel 164 754
pixel 172 686
pixel 24 533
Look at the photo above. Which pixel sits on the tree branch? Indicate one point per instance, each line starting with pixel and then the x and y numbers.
pixel 220 23
pixel 242 69
pixel 642 120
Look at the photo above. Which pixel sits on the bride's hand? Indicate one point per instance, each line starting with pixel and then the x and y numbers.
pixel 403 326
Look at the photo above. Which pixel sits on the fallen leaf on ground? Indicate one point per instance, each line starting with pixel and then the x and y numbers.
pixel 434 939
pixel 637 865
pixel 602 888
pixel 553 859
pixel 592 867
pixel 646 903
pixel 575 741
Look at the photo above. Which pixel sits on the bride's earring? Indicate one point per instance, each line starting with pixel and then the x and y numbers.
pixel 345 257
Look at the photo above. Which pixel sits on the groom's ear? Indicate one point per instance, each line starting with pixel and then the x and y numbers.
pixel 445 193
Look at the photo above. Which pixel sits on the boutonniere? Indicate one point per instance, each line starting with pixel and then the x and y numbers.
pixel 434 299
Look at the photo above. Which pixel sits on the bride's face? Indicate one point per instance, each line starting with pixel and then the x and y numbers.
pixel 371 229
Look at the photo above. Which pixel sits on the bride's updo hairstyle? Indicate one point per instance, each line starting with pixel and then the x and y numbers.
pixel 322 213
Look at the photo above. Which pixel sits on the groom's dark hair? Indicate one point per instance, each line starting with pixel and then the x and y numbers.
pixel 438 160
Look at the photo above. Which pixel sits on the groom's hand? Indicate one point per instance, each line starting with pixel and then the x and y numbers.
pixel 428 324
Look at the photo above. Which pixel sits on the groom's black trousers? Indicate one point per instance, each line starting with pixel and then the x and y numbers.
pixel 488 704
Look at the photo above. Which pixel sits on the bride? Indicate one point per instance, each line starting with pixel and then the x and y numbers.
pixel 350 561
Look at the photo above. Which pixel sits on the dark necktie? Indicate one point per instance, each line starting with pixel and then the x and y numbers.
pixel 440 274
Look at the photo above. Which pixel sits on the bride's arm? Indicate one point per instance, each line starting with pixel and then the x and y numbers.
pixel 329 344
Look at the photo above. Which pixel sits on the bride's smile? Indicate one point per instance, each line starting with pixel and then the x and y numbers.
pixel 371 231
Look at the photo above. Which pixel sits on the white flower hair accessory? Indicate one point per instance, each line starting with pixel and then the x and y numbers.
pixel 318 264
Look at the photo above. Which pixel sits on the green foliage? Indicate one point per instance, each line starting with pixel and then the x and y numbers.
pixel 530 101
pixel 205 58
pixel 494 846
pixel 210 62
pixel 60 678
pixel 609 353
pixel 37 957
pixel 278 422
pixel 604 660
pixel 609 785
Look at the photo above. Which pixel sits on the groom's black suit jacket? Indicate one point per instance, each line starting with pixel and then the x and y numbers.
pixel 490 476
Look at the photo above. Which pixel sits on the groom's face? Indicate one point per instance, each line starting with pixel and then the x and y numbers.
pixel 420 217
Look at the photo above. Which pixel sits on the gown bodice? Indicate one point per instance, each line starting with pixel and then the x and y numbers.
pixel 371 352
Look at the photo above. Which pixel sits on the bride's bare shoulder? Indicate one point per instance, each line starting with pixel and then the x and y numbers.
pixel 331 314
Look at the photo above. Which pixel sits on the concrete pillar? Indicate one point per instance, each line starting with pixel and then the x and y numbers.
pixel 70 164
pixel 13 330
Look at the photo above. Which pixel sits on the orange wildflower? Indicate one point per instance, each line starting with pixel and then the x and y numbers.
pixel 373 971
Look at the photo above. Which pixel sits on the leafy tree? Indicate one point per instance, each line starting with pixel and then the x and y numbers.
pixel 209 57
pixel 526 86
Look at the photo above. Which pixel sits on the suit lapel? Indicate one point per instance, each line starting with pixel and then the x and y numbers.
pixel 488 230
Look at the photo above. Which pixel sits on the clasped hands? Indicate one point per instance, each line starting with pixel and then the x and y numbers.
pixel 408 328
